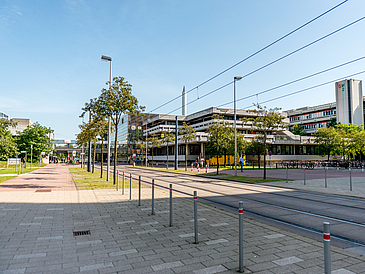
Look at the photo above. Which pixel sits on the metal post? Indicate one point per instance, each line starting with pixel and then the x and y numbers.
pixel 304 176
pixel 327 247
pixel 117 180
pixel 362 167
pixel 176 145
pixel 31 156
pixel 338 166
pixel 240 228
pixel 89 151
pixel 325 179
pixel 170 205
pixel 350 182
pixel 16 162
pixel 139 190
pixel 153 197
pixel 234 124
pixel 286 175
pixel 130 187
pixel 123 185
pixel 196 217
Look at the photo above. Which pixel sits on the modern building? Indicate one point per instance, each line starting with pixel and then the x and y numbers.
pixel 4 116
pixel 284 145
pixel 348 108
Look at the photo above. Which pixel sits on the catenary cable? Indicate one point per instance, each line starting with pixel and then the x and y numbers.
pixel 252 55
pixel 294 81
pixel 278 59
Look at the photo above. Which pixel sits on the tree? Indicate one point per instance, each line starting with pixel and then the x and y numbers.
pixel 168 137
pixel 327 140
pixel 217 136
pixel 347 135
pixel 35 135
pixel 266 120
pixel 115 102
pixel 154 142
pixel 88 134
pixel 7 142
pixel 257 148
pixel 187 133
pixel 298 130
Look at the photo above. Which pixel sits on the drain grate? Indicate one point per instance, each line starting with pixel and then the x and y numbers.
pixel 43 190
pixel 80 233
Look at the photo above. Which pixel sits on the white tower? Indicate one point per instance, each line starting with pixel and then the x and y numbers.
pixel 184 107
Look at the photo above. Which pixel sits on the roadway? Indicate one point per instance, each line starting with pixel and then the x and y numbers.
pixel 298 211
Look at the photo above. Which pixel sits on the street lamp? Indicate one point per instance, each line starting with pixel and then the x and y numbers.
pixel 236 78
pixel 108 59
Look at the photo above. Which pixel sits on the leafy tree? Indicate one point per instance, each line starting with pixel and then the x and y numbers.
pixel 257 147
pixel 88 134
pixel 154 142
pixel 332 123
pixel 266 120
pixel 168 137
pixel 347 135
pixel 327 140
pixel 7 142
pixel 217 136
pixel 298 130
pixel 35 135
pixel 242 144
pixel 187 133
pixel 115 102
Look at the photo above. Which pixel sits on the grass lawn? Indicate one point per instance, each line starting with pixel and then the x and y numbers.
pixel 4 178
pixel 12 170
pixel 87 180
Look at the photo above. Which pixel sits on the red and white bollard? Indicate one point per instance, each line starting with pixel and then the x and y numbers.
pixel 327 247
pixel 192 167
pixel 197 167
pixel 206 169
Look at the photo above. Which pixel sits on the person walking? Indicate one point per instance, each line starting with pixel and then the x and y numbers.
pixel 241 161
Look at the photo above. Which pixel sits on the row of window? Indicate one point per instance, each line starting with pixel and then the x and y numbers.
pixel 311 126
pixel 289 150
pixel 313 115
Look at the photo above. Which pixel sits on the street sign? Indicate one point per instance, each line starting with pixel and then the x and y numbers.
pixel 133 127
pixel 23 151
pixel 43 153
pixel 74 153
pixel 134 155
pixel 270 153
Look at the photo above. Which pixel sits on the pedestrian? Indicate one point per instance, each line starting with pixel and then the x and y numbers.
pixel 241 161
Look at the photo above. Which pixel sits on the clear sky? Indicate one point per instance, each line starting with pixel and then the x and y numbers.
pixel 50 53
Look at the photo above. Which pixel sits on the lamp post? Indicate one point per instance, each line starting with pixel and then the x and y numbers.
pixel 236 78
pixel 108 59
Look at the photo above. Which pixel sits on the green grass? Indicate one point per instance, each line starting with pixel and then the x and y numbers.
pixel 5 178
pixel 87 180
pixel 12 170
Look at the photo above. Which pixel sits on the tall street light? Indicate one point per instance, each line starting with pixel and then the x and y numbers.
pixel 236 78
pixel 108 59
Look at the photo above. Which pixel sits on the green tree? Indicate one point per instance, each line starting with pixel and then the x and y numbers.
pixel 217 136
pixel 187 133
pixel 115 102
pixel 154 142
pixel 327 140
pixel 266 120
pixel 256 147
pixel 8 147
pixel 167 138
pixel 38 136
pixel 88 134
pixel 298 130
pixel 347 135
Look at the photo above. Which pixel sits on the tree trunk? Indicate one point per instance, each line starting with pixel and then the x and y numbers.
pixel 217 162
pixel 94 158
pixel 225 158
pixel 167 153
pixel 258 161
pixel 101 170
pixel 115 154
pixel 186 156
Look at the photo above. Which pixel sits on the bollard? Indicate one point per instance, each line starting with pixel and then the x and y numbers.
pixel 338 166
pixel 196 217
pixel 286 175
pixel 304 176
pixel 206 169
pixel 362 167
pixel 153 197
pixel 117 180
pixel 139 190
pixel 191 167
pixel 327 247
pixel 240 228
pixel 349 166
pixel 130 186
pixel 350 182
pixel 170 205
pixel 325 179
pixel 197 166
pixel 123 185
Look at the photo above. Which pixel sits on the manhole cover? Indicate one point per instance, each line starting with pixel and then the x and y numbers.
pixel 80 233
pixel 43 190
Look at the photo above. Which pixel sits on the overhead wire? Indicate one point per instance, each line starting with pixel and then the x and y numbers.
pixel 278 59
pixel 294 81
pixel 252 55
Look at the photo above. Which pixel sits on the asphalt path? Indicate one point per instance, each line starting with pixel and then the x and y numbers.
pixel 295 210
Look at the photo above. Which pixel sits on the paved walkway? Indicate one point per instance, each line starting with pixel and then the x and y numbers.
pixel 37 236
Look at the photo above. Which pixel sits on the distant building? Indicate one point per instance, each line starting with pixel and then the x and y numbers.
pixel 348 108
pixel 4 116
pixel 21 124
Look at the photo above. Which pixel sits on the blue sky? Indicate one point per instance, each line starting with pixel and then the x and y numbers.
pixel 50 53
